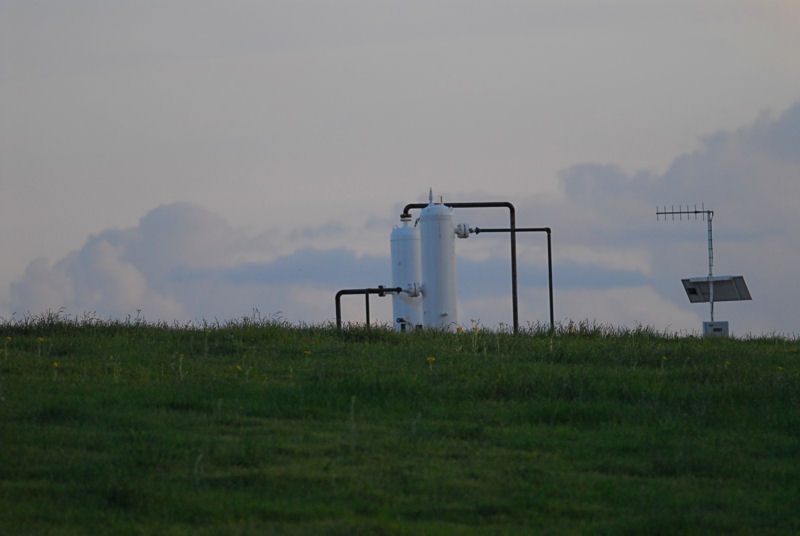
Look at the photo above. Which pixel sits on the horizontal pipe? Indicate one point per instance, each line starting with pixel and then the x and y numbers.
pixel 479 230
pixel 380 290
pixel 474 204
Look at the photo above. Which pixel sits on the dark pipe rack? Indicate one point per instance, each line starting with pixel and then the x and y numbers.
pixel 380 291
pixel 512 230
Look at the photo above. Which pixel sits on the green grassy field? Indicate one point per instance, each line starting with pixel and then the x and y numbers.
pixel 259 427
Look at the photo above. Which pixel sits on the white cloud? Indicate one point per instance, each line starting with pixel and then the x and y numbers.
pixel 185 263
pixel 303 121
pixel 614 263
pixel 95 280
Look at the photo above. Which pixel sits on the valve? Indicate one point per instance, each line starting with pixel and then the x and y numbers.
pixel 412 290
pixel 462 230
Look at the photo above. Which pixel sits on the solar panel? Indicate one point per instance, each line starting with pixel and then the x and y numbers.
pixel 726 288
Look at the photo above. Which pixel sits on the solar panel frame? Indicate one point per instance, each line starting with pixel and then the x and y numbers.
pixel 726 288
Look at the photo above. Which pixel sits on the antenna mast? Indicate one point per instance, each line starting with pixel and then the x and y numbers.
pixel 704 214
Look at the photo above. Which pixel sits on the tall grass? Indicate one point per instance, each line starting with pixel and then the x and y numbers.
pixel 260 426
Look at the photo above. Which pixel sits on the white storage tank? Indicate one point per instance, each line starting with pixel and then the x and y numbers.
pixel 406 274
pixel 437 231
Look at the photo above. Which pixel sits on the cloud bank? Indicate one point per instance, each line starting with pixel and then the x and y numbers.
pixel 614 262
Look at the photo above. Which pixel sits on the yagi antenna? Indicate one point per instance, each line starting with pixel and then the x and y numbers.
pixel 706 215
pixel 688 211
pixel 730 288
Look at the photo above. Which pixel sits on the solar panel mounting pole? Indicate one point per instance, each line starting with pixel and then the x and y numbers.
pixel 710 215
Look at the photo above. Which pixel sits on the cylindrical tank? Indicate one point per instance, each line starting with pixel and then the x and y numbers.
pixel 437 232
pixel 406 273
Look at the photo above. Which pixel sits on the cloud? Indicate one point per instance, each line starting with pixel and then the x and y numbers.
pixel 120 272
pixel 96 279
pixel 750 177
pixel 182 262
pixel 315 268
pixel 614 262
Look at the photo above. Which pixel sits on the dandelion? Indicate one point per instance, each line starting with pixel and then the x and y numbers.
pixel 430 359
pixel 40 339
pixel 239 368
pixel 307 352
pixel 664 358
pixel 55 364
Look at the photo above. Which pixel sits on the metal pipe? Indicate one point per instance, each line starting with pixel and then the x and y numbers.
pixel 550 279
pixel 380 291
pixel 512 223
pixel 710 265
pixel 547 230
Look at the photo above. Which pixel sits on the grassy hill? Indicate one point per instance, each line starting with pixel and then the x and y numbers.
pixel 259 427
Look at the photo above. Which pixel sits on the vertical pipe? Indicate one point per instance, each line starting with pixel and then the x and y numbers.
pixel 514 302
pixel 366 297
pixel 338 310
pixel 550 278
pixel 710 266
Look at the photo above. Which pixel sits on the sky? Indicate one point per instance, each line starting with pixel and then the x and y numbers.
pixel 191 161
